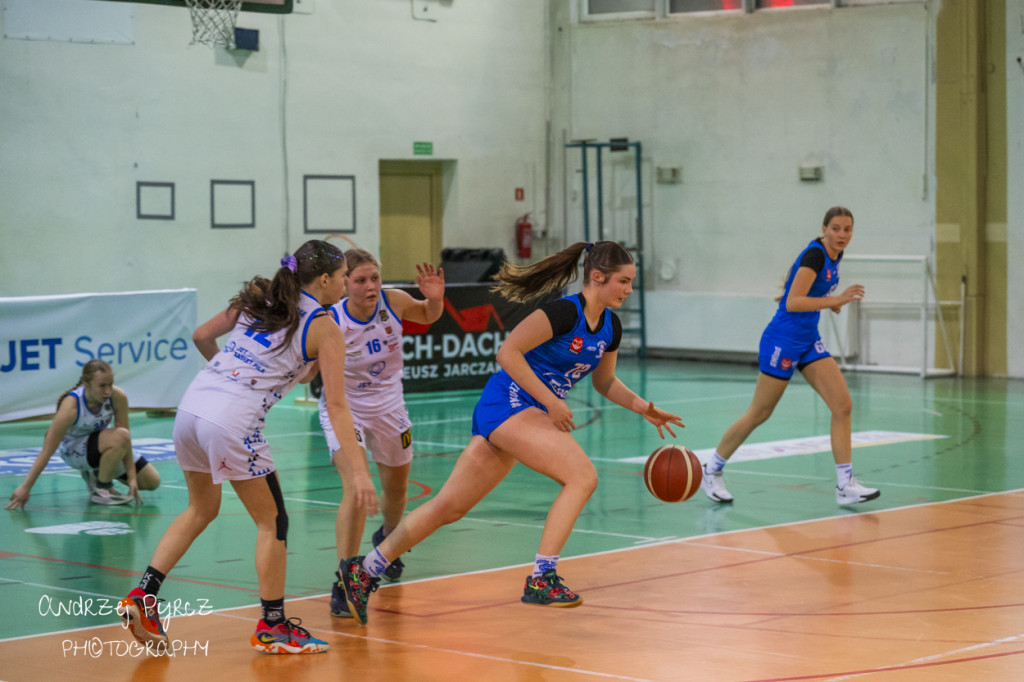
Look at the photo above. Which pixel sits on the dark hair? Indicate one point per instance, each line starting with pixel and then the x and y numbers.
pixel 523 283
pixel 89 370
pixel 835 211
pixel 274 304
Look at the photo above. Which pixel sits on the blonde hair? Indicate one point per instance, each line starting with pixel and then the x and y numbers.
pixel 89 370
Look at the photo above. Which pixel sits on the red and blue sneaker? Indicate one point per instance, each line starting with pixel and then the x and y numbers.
pixel 549 590
pixel 288 637
pixel 141 614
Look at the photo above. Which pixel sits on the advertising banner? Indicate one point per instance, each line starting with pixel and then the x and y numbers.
pixel 145 336
pixel 457 352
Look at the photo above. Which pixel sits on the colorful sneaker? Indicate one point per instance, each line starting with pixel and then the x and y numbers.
pixel 108 496
pixel 339 607
pixel 549 590
pixel 358 586
pixel 854 492
pixel 714 487
pixel 141 614
pixel 288 637
pixel 394 571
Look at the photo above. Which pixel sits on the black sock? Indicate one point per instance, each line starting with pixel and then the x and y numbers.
pixel 151 581
pixel 105 486
pixel 273 611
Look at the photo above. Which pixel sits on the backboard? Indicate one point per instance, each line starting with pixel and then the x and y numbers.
pixel 266 6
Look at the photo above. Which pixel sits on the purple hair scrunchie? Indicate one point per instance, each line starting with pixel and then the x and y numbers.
pixel 290 263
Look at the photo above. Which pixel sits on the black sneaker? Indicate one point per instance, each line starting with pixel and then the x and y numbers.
pixel 394 571
pixel 339 606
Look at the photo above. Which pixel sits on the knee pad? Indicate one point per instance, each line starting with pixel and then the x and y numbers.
pixel 282 514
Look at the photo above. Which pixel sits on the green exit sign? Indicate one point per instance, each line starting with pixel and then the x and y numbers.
pixel 423 148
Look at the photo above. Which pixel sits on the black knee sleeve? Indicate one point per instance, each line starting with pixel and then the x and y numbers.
pixel 282 514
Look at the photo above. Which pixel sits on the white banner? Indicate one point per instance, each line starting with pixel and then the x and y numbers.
pixel 145 336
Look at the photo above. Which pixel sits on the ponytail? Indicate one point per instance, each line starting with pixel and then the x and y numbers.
pixel 524 283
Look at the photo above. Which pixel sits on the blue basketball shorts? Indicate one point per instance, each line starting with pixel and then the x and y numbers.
pixel 780 356
pixel 500 399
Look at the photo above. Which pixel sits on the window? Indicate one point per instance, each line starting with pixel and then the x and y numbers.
pixel 681 6
pixel 773 4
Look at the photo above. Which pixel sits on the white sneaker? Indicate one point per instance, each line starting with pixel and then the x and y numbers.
pixel 90 480
pixel 714 487
pixel 108 497
pixel 854 492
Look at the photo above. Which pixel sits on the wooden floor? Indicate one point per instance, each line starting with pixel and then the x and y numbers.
pixel 923 584
pixel 923 593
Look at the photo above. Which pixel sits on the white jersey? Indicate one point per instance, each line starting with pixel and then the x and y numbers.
pixel 373 360
pixel 86 422
pixel 250 374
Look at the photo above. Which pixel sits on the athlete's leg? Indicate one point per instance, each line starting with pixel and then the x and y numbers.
pixel 532 439
pixel 148 477
pixel 115 446
pixel 825 377
pixel 394 487
pixel 478 470
pixel 203 507
pixel 262 499
pixel 767 394
pixel 350 521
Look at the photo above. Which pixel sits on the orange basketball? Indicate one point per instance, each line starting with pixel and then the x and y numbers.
pixel 673 473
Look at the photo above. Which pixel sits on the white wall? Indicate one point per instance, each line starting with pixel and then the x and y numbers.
pixel 739 101
pixel 331 92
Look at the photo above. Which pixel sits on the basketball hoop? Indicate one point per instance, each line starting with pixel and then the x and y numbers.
pixel 213 21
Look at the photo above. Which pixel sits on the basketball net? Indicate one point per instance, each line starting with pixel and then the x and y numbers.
pixel 213 21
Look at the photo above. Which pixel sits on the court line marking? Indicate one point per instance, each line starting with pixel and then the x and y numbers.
pixel 927 659
pixel 801 446
pixel 565 558
pixel 816 558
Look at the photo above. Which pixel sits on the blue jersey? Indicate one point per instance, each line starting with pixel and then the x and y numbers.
pixel 570 354
pixel 804 325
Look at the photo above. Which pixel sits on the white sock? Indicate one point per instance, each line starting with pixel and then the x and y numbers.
pixel 716 463
pixel 375 563
pixel 544 563
pixel 844 472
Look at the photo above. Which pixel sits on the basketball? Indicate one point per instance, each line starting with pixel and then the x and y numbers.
pixel 673 473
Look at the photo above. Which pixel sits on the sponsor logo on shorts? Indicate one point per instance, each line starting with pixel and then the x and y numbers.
pixel 786 363
pixel 774 362
pixel 406 438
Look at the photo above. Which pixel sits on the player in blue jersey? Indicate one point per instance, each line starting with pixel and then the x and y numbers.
pixel 791 342
pixel 522 415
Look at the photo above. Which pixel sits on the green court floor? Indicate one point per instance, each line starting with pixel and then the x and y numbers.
pixel 920 441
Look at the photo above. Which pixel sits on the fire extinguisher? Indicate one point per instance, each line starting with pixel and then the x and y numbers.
pixel 524 236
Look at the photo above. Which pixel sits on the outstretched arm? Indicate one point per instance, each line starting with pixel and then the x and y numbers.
pixel 62 421
pixel 611 387
pixel 428 310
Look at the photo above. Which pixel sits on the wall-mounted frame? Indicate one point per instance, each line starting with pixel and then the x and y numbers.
pixel 329 204
pixel 154 200
pixel 232 203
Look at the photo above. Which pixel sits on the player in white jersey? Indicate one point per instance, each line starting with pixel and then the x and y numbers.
pixel 282 336
pixel 371 318
pixel 79 434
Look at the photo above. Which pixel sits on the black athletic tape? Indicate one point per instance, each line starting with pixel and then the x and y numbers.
pixel 282 514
